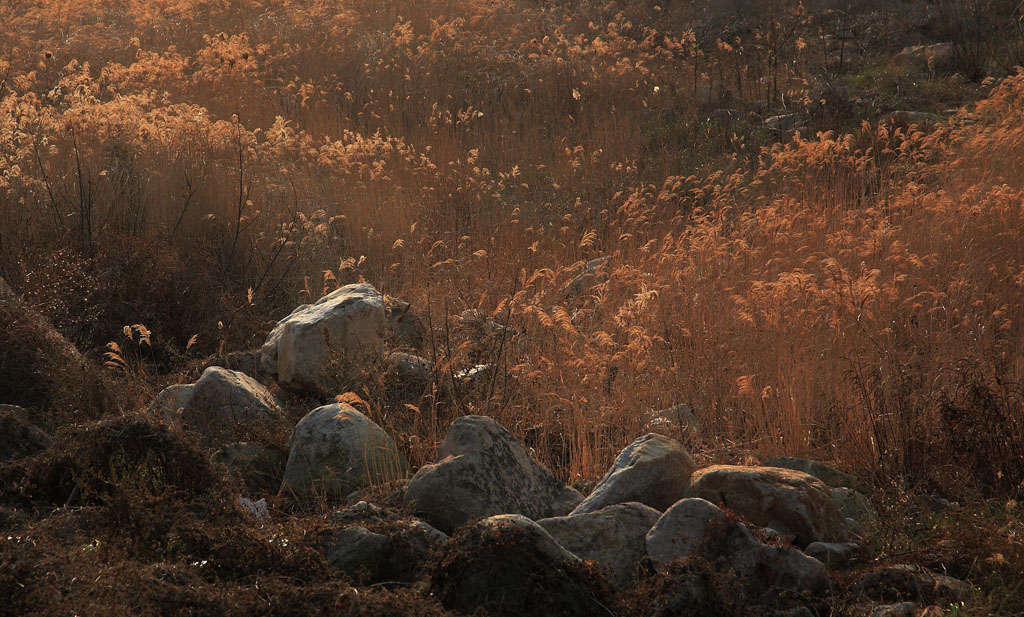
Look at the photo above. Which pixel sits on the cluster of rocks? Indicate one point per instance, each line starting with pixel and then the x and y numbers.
pixel 778 528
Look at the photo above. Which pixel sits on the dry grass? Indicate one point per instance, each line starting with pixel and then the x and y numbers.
pixel 852 295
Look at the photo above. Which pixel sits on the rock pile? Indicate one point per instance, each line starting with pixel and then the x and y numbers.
pixel 327 342
pixel 522 542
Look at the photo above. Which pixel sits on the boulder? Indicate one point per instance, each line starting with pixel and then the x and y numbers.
pixel 336 450
pixel 247 362
pixel 482 470
pixel 474 378
pixel 381 549
pixel 904 118
pixel 404 328
pixel 594 273
pixel 690 587
pixel 18 436
pixel 899 609
pixel 359 553
pixel 786 124
pixel 508 566
pixel 654 470
pixel 930 54
pixel 613 537
pixel 905 582
pixel 258 507
pixel 697 528
pixel 258 466
pixel 674 420
pixel 409 370
pixel 854 505
pixel 170 403
pixel 835 555
pixel 230 406
pixel 326 343
pixel 790 502
pixel 829 475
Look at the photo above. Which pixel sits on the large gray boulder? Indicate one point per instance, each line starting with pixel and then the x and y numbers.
pixel 790 502
pixel 613 537
pixel 697 528
pixel 170 403
pixel 482 470
pixel 654 470
pixel 827 474
pixel 227 405
pixel 322 344
pixel 336 450
pixel 508 566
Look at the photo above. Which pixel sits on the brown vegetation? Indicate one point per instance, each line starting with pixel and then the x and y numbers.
pixel 851 292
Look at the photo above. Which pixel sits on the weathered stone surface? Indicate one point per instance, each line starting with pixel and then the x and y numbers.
pixel 905 582
pixel 900 609
pixel 791 502
pixel 326 342
pixel 227 405
pixel 834 555
pixel 785 124
pixel 509 566
pixel 18 436
pixel 258 466
pixel 654 470
pixel 613 537
pixel 672 420
pixel 170 403
pixel 936 52
pixel 336 450
pixel 853 505
pixel 474 377
pixel 692 588
pixel 247 362
pixel 409 370
pixel 594 273
pixel 482 470
pixel 257 507
pixel 827 474
pixel 695 527
pixel 404 327
pixel 358 552
pixel 906 118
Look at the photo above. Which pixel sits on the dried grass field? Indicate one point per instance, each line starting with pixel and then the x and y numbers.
pixel 814 241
